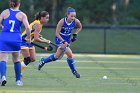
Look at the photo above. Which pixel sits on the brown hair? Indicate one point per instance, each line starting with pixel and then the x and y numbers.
pixel 40 14
pixel 14 3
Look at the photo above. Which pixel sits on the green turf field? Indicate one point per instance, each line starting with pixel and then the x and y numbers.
pixel 122 71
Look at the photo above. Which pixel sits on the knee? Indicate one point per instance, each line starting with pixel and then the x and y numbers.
pixel 33 59
pixel 62 47
pixel 27 60
pixel 70 56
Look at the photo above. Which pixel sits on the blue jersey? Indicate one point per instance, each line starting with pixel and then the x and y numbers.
pixel 10 38
pixel 66 31
pixel 12 24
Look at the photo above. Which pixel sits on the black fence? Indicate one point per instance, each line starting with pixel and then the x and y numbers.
pixel 105 39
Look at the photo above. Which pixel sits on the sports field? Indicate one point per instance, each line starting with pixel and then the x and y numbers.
pixel 123 72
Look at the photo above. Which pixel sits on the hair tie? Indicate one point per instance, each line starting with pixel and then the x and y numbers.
pixel 71 10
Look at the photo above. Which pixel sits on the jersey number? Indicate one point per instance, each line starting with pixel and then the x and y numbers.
pixel 13 24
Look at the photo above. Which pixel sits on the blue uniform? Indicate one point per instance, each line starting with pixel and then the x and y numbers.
pixel 66 30
pixel 10 38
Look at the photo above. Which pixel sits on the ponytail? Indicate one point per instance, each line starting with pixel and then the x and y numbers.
pixel 14 3
pixel 40 14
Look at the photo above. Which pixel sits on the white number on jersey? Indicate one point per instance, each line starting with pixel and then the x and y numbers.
pixel 13 24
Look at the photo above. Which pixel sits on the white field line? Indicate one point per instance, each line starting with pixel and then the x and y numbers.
pixel 33 91
pixel 94 68
pixel 98 55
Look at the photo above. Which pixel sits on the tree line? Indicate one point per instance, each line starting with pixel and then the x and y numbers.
pixel 118 12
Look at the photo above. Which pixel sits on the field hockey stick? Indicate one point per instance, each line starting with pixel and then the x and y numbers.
pixel 49 48
pixel 51 43
pixel 38 46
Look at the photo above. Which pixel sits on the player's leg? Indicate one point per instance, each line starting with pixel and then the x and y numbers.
pixel 26 58
pixel 71 62
pixel 3 60
pixel 17 67
pixel 32 54
pixel 25 51
pixel 53 57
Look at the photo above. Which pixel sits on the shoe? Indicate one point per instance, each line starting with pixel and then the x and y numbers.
pixel 76 74
pixel 19 83
pixel 3 81
pixel 41 63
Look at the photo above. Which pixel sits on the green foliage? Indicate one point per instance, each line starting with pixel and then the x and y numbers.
pixel 88 11
pixel 3 5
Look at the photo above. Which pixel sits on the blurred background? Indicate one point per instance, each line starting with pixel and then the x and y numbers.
pixel 109 26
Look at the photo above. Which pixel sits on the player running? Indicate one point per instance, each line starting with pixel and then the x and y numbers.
pixel 28 50
pixel 10 39
pixel 63 35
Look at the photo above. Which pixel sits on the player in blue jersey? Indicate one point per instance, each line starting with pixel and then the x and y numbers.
pixel 63 39
pixel 10 39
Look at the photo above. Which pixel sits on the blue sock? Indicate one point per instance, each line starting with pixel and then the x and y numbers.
pixel 17 67
pixel 3 68
pixel 50 58
pixel 71 64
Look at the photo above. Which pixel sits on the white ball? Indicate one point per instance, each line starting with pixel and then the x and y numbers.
pixel 105 77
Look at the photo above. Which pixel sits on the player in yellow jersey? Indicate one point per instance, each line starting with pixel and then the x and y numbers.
pixel 28 50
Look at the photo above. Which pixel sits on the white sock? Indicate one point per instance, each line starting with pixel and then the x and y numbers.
pixel 22 64
pixel 3 78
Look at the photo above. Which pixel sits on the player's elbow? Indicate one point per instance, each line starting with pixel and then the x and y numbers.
pixel 36 39
pixel 80 28
pixel 57 34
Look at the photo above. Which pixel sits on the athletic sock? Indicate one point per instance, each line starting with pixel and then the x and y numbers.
pixel 17 67
pixel 71 64
pixel 3 68
pixel 50 58
pixel 27 60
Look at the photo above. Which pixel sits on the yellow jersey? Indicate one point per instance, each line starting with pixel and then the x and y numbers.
pixel 24 35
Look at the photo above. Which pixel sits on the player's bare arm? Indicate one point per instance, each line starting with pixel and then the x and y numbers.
pixel 37 38
pixel 58 29
pixel 79 26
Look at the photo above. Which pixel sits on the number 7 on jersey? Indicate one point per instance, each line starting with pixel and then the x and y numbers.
pixel 13 24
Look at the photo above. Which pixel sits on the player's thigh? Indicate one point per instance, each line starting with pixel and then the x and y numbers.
pixel 69 53
pixel 16 56
pixel 3 56
pixel 59 52
pixel 25 53
pixel 32 54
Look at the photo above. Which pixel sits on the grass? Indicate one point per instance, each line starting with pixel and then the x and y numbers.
pixel 122 72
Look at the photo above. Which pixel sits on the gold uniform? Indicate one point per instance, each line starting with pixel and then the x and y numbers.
pixel 24 45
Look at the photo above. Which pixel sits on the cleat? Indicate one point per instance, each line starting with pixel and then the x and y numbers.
pixel 19 83
pixel 3 83
pixel 76 74
pixel 41 63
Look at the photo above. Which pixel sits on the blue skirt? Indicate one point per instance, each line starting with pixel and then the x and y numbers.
pixel 66 38
pixel 10 42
